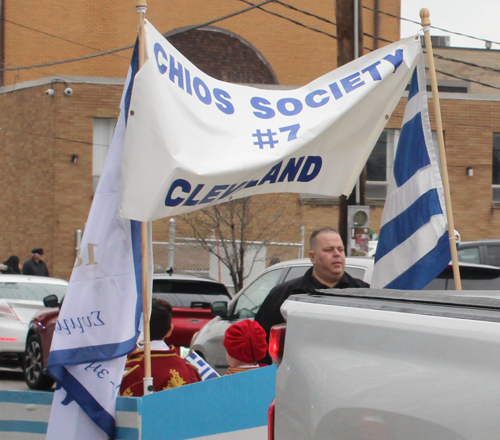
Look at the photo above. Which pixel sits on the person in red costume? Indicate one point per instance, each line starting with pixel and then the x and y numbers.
pixel 245 344
pixel 168 369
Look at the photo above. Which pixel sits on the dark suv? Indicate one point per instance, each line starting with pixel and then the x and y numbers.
pixel 472 277
pixel 480 252
pixel 190 297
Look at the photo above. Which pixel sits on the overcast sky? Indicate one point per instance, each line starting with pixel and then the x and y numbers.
pixel 479 18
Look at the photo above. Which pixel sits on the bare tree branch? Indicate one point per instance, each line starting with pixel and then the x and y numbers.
pixel 232 224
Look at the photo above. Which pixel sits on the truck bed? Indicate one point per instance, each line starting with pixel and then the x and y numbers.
pixel 380 364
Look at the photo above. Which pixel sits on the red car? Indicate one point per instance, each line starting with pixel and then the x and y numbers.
pixel 190 297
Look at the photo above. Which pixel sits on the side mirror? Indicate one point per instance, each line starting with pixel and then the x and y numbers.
pixel 51 301
pixel 219 308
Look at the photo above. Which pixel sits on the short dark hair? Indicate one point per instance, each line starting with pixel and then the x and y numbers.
pixel 161 318
pixel 316 232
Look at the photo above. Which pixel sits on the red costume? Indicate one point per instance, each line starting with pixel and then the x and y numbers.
pixel 168 369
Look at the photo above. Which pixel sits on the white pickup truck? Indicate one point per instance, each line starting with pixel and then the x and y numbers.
pixel 366 364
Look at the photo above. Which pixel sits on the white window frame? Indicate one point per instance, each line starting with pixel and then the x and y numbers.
pixel 103 133
pixel 495 188
pixel 378 185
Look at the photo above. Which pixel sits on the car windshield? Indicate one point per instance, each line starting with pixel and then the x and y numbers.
pixel 192 294
pixel 30 291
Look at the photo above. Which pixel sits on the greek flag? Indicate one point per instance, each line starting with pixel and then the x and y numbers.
pixel 413 246
pixel 204 368
pixel 99 321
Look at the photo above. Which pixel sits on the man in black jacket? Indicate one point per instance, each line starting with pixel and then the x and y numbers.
pixel 35 265
pixel 327 254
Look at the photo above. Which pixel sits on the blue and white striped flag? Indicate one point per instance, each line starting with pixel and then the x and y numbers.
pixel 413 246
pixel 99 321
pixel 204 368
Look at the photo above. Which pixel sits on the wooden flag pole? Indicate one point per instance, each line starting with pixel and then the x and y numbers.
pixel 426 22
pixel 141 7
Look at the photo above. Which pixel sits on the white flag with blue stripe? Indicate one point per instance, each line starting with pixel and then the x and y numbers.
pixel 99 321
pixel 413 246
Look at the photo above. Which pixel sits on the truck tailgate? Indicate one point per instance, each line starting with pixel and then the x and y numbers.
pixel 378 364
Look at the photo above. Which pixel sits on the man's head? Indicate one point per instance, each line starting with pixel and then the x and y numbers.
pixel 327 253
pixel 160 326
pixel 37 254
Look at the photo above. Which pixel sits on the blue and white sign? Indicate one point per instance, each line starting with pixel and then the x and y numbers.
pixel 193 141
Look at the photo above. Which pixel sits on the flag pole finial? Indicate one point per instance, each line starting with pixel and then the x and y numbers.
pixel 141 6
pixel 425 17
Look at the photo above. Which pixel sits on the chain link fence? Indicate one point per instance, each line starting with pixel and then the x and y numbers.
pixel 189 256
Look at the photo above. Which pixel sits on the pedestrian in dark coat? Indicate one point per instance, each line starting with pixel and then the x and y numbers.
pixel 35 265
pixel 11 266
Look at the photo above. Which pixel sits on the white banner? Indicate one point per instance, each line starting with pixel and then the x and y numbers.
pixel 193 141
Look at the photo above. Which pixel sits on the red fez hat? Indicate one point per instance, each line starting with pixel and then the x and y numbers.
pixel 246 341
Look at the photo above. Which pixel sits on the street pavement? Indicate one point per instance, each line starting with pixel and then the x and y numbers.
pixel 12 380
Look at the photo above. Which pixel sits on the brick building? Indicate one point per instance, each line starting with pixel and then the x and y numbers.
pixel 53 144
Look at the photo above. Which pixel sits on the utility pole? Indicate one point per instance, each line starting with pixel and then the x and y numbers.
pixel 349 47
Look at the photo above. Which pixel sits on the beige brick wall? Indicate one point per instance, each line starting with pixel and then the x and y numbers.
pixel 297 55
pixel 46 197
pixel 468 68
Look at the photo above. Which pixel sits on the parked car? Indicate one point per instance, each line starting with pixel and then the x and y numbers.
pixel 190 297
pixel 21 297
pixel 480 252
pixel 37 344
pixel 208 341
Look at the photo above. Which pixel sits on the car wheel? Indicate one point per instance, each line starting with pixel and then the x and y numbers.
pixel 34 376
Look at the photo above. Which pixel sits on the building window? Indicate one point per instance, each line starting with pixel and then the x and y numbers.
pixel 379 165
pixel 496 167
pixel 103 132
pixel 381 160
